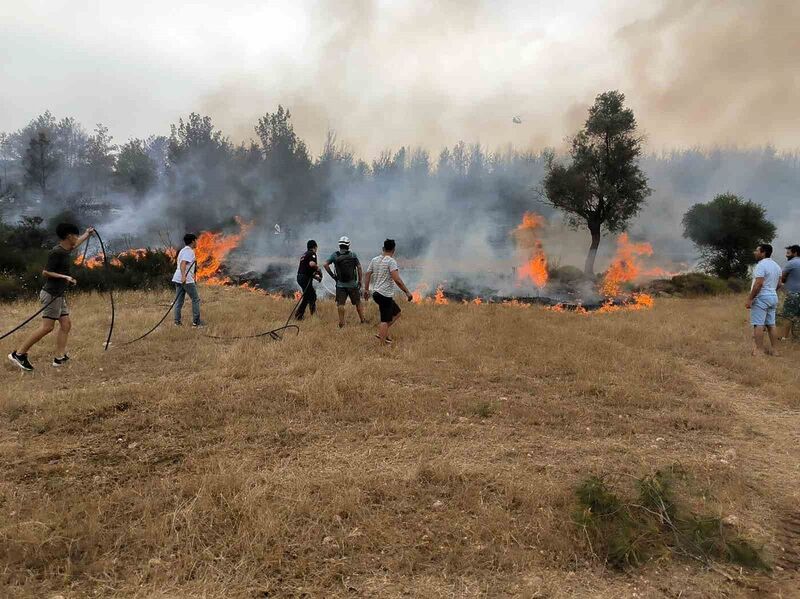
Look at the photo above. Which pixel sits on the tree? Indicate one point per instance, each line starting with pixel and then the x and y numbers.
pixel 135 169
pixel 286 168
pixel 603 187
pixel 726 230
pixel 40 162
pixel 100 160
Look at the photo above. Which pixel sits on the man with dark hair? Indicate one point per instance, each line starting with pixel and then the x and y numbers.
pixel 348 278
pixel 56 278
pixel 763 299
pixel 184 281
pixel 385 274
pixel 791 282
pixel 306 273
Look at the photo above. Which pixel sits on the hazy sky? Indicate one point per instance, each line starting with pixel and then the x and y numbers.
pixel 388 73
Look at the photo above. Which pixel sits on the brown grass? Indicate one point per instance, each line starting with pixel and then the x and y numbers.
pixel 323 467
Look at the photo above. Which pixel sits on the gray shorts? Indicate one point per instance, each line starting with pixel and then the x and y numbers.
pixel 55 310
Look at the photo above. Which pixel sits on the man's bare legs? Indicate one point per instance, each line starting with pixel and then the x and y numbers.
pixel 758 340
pixel 65 324
pixel 37 335
pixel 383 328
pixel 359 309
pixel 773 341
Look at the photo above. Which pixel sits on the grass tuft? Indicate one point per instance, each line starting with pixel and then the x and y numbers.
pixel 631 533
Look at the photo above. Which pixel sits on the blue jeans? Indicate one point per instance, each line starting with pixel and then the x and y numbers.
pixel 180 295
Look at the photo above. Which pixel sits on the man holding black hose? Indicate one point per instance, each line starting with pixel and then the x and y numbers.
pixel 184 281
pixel 384 273
pixel 306 273
pixel 57 277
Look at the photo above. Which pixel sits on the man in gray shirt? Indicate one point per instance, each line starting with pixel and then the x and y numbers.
pixel 791 282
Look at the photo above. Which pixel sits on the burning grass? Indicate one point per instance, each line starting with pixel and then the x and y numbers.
pixel 444 466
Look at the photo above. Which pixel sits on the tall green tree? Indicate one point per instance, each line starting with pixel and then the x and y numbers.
pixel 602 188
pixel 726 230
pixel 100 160
pixel 286 168
pixel 135 169
pixel 39 162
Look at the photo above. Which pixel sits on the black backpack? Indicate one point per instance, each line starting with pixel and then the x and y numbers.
pixel 346 264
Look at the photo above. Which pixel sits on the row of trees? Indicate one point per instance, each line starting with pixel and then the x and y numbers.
pixel 58 165
pixel 600 185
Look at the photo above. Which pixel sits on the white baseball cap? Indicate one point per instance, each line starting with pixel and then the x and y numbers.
pixel 344 240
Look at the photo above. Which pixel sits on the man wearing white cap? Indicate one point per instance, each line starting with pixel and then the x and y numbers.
pixel 348 278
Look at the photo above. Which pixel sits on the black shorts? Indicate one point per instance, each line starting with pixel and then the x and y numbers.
pixel 342 293
pixel 387 306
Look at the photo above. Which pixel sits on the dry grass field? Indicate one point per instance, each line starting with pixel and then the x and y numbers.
pixel 445 466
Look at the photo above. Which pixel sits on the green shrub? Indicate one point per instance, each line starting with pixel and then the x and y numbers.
pixel 567 274
pixel 696 284
pixel 630 533
pixel 151 271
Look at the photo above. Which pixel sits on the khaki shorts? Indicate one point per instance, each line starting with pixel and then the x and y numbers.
pixel 55 310
pixel 342 293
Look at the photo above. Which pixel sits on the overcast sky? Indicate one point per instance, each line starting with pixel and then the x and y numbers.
pixel 389 73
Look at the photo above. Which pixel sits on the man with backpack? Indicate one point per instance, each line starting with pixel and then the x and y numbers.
pixel 348 277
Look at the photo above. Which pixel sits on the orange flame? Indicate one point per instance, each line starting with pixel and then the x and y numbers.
pixel 477 301
pixel 418 294
pixel 297 296
pixel 96 261
pixel 625 266
pixel 439 299
pixel 535 266
pixel 212 248
pixel 516 303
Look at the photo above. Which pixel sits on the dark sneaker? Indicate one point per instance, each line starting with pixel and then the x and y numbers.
pixel 387 341
pixel 21 361
pixel 178 324
pixel 199 324
pixel 58 362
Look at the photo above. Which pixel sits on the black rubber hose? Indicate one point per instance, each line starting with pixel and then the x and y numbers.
pixel 302 295
pixel 42 309
pixel 110 290
pixel 19 326
pixel 163 318
pixel 274 334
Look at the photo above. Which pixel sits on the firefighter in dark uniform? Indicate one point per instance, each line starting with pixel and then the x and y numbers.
pixel 308 271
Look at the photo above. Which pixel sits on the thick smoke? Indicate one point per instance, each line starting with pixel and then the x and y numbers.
pixel 707 74
pixel 715 72
pixel 697 73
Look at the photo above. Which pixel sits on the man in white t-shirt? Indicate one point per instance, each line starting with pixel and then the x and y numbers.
pixel 384 274
pixel 763 299
pixel 184 281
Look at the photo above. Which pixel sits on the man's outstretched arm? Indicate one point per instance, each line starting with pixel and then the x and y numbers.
pixel 399 281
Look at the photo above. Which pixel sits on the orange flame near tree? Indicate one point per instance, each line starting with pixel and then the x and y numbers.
pixel 625 266
pixel 535 266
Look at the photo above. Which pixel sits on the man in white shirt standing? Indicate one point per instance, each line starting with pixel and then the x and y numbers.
pixel 763 299
pixel 184 281
pixel 384 273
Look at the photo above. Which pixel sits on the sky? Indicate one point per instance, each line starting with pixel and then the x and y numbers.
pixel 383 74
